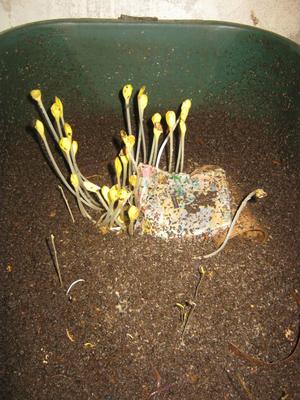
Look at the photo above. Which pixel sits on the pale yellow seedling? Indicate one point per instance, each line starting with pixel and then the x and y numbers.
pixel 111 195
pixel 171 122
pixel 68 130
pixel 156 118
pixel 123 196
pixel 124 161
pixel 157 131
pixel 129 141
pixel 185 108
pixel 171 119
pixel 133 214
pixel 260 193
pixel 71 159
pixel 74 147
pixel 93 188
pixel 133 179
pixel 56 111
pixel 39 126
pixel 112 215
pixel 127 93
pixel 65 144
pixel 142 99
pixel 104 192
pixel 37 96
pixel 118 169
pixel 180 157
pixel 133 182
pixel 69 149
pixel 59 104
pixel 75 182
pixel 182 128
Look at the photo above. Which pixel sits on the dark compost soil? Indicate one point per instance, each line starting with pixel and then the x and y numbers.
pixel 123 326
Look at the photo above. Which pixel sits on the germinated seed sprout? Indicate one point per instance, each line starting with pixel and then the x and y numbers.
pixel 127 92
pixel 171 122
pixel 56 260
pixel 73 284
pixel 82 178
pixel 142 103
pixel 157 131
pixel 45 115
pixel 258 193
pixel 126 164
pixel 63 179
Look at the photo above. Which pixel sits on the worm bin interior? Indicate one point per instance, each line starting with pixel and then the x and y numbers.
pixel 147 316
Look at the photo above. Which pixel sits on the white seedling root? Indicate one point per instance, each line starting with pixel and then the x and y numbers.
pixel 45 115
pixel 73 284
pixel 128 120
pixel 179 156
pixel 171 134
pixel 259 193
pixel 164 143
pixel 67 203
pixel 138 147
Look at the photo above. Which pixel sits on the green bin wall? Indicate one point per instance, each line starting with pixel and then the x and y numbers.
pixel 86 62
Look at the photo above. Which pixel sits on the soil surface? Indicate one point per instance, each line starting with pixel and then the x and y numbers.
pixel 119 334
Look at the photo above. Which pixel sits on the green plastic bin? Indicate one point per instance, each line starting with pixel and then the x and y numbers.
pixel 243 69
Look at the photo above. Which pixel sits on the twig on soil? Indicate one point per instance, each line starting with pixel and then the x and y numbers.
pixel 62 376
pixel 56 261
pixel 158 378
pixel 94 176
pixel 182 312
pixel 257 361
pixel 159 388
pixel 186 315
pixel 284 396
pixel 73 284
pixel 67 203
pixel 192 305
pixel 245 387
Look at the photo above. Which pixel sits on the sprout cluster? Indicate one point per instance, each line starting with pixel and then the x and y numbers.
pixel 117 203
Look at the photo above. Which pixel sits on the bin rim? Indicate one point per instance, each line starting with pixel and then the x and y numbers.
pixel 148 21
